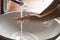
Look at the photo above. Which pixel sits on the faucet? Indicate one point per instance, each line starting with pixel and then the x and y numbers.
pixel 20 2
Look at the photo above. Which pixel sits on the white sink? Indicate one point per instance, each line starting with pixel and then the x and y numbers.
pixel 43 30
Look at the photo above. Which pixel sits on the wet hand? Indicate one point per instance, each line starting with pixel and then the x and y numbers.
pixel 30 18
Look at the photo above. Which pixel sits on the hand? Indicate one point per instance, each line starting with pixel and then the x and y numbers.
pixel 37 18
pixel 29 18
pixel 49 13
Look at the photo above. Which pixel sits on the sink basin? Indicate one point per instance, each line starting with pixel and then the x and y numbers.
pixel 44 30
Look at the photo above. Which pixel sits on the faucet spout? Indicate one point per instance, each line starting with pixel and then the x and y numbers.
pixel 20 2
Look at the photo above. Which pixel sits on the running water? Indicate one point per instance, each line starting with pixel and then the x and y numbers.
pixel 21 14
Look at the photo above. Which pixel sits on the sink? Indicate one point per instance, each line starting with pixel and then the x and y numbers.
pixel 42 31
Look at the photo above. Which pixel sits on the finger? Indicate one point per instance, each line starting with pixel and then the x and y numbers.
pixel 17 19
pixel 28 18
pixel 21 19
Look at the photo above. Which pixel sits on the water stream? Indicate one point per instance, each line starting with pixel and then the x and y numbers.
pixel 21 14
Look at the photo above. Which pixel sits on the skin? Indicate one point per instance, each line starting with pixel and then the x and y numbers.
pixel 49 13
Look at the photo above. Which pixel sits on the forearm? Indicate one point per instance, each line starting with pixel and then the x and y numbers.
pixel 53 5
pixel 52 15
pixel 51 12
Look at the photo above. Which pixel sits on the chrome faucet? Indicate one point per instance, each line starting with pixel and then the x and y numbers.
pixel 20 2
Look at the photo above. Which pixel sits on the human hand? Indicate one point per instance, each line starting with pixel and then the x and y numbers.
pixel 29 18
